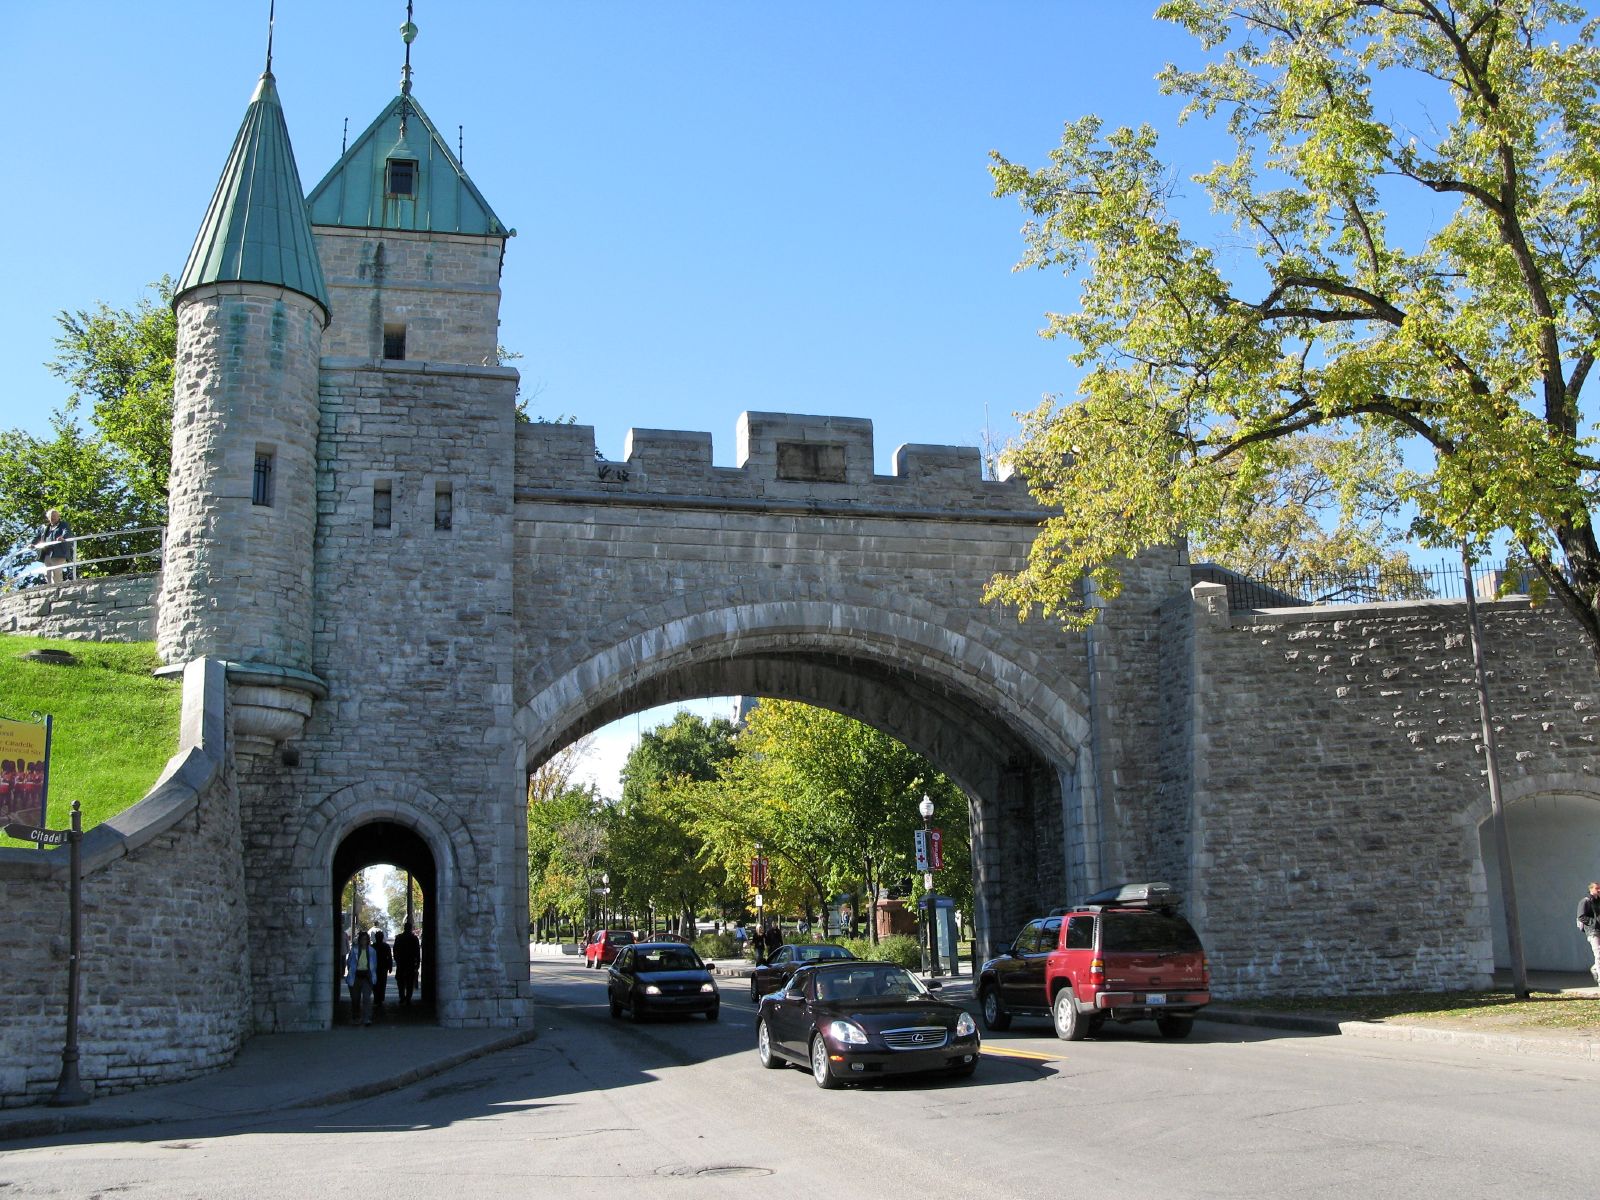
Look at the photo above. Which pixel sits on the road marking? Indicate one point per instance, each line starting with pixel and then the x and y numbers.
pixel 1030 1055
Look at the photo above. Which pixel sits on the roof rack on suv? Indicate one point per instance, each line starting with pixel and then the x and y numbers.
pixel 1136 895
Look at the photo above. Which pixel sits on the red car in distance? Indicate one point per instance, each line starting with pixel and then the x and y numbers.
pixel 603 945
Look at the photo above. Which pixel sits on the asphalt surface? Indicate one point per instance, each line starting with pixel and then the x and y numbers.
pixel 282 1072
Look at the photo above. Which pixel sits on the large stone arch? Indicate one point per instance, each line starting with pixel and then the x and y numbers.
pixel 1008 737
pixel 1553 829
pixel 448 838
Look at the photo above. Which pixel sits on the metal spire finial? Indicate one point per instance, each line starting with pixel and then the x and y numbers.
pixel 272 14
pixel 408 34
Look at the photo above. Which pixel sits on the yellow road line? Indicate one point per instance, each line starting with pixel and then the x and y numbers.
pixel 1030 1055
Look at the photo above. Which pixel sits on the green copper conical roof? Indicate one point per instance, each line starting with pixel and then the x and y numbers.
pixel 256 229
pixel 361 191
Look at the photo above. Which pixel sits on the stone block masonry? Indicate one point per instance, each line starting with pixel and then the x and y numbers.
pixel 165 969
pixel 116 608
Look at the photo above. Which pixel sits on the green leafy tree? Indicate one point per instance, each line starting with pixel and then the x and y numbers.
pixel 567 839
pixel 1418 183
pixel 656 860
pixel 77 473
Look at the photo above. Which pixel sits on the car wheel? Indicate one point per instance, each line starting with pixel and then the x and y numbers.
pixel 712 1013
pixel 616 1009
pixel 755 996
pixel 821 1071
pixel 634 1014
pixel 1071 1025
pixel 764 1051
pixel 995 1016
pixel 1175 1027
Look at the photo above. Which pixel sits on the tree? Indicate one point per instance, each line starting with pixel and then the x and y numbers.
pixel 112 474
pixel 1464 320
pixel 567 838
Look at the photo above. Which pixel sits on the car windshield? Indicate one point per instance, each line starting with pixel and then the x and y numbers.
pixel 1151 933
pixel 819 953
pixel 865 983
pixel 668 958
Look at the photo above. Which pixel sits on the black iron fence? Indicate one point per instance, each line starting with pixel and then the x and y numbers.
pixel 1445 581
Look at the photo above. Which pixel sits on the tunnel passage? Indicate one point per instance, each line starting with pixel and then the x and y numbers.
pixel 370 845
pixel 1021 827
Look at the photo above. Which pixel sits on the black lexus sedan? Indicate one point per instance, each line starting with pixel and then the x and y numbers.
pixel 854 1022
pixel 661 977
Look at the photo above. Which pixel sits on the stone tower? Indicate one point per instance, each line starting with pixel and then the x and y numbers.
pixel 251 309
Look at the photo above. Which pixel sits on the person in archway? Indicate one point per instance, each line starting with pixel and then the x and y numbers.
pixel 361 973
pixel 1589 923
pixel 380 982
pixel 407 958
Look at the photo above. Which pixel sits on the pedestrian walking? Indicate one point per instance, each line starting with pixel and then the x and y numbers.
pixel 407 958
pixel 1589 923
pixel 385 964
pixel 361 972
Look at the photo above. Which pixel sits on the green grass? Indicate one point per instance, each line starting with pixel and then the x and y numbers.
pixel 115 726
pixel 1496 1012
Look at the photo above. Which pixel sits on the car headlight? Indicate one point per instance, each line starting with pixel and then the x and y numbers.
pixel 965 1027
pixel 847 1033
pixel 708 986
pixel 651 989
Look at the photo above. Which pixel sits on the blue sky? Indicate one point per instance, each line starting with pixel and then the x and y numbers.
pixel 720 205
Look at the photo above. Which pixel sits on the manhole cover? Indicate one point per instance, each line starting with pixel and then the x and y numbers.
pixel 722 1172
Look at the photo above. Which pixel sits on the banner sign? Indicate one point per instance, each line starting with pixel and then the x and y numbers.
pixel 24 771
pixel 758 872
pixel 930 850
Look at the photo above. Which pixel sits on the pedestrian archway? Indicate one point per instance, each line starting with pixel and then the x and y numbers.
pixel 1555 846
pixel 387 843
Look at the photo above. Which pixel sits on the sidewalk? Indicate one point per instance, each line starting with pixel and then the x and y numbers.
pixel 275 1072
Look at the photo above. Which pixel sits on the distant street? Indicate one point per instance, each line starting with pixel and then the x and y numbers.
pixel 597 1107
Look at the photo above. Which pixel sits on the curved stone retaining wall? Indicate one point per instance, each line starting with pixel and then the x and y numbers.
pixel 118 608
pixel 165 970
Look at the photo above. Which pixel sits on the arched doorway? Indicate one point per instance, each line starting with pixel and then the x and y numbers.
pixel 386 842
pixel 1555 846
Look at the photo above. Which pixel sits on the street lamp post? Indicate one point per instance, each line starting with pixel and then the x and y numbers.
pixel 926 809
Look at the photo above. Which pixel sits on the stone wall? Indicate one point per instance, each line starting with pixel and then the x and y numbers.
pixel 1339 784
pixel 245 384
pixel 165 991
pixel 413 639
pixel 117 608
pixel 443 289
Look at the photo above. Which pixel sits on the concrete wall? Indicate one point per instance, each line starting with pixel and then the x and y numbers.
pixel 165 991
pixel 117 608
pixel 1340 787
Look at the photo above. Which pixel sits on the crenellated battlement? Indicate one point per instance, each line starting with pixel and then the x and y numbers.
pixel 782 457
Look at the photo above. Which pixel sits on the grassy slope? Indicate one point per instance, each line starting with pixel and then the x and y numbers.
pixel 115 725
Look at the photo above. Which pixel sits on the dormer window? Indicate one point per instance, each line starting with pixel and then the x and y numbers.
pixel 402 177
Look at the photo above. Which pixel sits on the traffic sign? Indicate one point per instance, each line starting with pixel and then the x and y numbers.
pixel 39 837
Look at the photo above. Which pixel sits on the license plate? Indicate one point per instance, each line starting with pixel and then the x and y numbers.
pixel 1156 998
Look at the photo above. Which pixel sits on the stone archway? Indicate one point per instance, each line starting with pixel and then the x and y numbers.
pixel 388 842
pixel 1003 735
pixel 1553 827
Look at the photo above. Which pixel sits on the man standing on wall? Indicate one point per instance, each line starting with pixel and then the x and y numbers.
pixel 1589 922
pixel 52 541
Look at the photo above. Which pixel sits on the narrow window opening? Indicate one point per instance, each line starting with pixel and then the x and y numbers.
pixel 261 481
pixel 394 341
pixel 443 506
pixel 402 177
pixel 382 504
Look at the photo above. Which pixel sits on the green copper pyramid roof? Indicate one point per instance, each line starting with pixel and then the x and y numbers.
pixel 256 229
pixel 357 193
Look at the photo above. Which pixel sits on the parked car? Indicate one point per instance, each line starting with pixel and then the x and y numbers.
pixel 1124 954
pixel 661 977
pixel 773 972
pixel 854 1022
pixel 603 945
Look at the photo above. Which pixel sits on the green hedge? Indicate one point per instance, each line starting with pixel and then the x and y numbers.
pixel 716 945
pixel 902 949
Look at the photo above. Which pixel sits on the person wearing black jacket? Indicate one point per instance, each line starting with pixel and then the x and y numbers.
pixel 385 964
pixel 1589 922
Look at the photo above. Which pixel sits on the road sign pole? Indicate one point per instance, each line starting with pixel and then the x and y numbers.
pixel 69 1091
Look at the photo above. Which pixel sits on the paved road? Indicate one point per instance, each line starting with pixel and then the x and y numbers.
pixel 597 1107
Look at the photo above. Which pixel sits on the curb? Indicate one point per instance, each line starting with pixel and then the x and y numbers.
pixel 364 1091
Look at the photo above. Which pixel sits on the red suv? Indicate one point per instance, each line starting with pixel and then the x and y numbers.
pixel 603 946
pixel 1123 954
